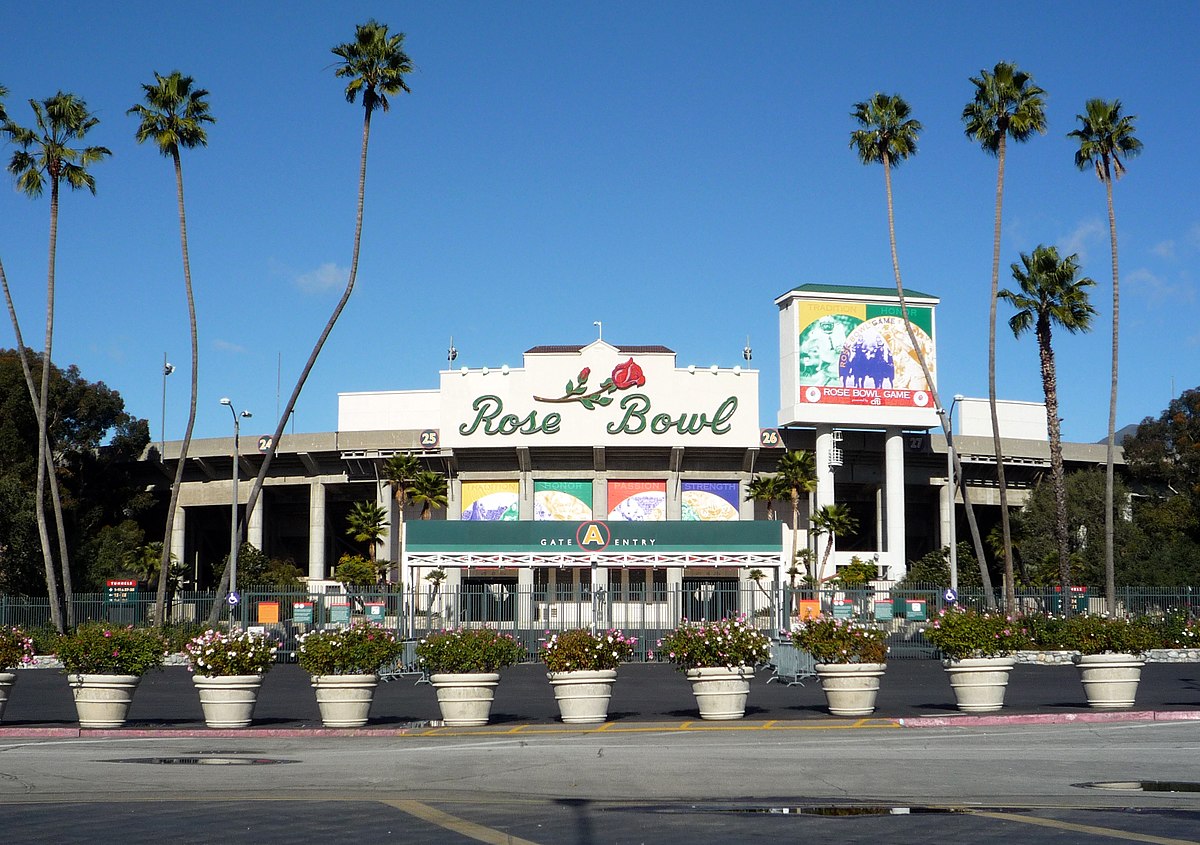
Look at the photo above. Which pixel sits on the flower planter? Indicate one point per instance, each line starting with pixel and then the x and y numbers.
pixel 583 694
pixel 1110 681
pixel 850 688
pixel 979 683
pixel 228 700
pixel 721 691
pixel 102 701
pixel 465 698
pixel 7 679
pixel 345 700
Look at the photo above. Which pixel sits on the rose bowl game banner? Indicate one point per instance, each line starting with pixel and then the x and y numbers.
pixel 490 501
pixel 710 501
pixel 637 501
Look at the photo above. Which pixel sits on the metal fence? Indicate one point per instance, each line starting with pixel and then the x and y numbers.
pixel 531 613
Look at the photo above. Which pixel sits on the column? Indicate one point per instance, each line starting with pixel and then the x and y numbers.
pixel 179 540
pixel 894 481
pixel 525 598
pixel 316 531
pixel 254 524
pixel 825 494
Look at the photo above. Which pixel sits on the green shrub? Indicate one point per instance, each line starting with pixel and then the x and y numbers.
pixel 469 650
pixel 961 633
pixel 16 649
pixel 358 650
pixel 1093 633
pixel 729 642
pixel 98 649
pixel 223 654
pixel 571 651
pixel 832 640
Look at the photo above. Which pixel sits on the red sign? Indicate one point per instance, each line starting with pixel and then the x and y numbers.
pixel 869 396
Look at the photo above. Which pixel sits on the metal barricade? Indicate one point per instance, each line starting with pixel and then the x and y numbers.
pixel 405 664
pixel 791 665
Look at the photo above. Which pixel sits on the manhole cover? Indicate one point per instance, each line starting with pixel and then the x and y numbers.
pixel 204 761
pixel 1143 785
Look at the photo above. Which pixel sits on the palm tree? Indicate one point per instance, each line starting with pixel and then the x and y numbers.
pixel 1007 105
pixel 768 489
pixel 436 577
pixel 46 154
pixel 889 136
pixel 429 491
pixel 376 64
pixel 1105 137
pixel 367 523
pixel 1051 294
pixel 174 118
pixel 832 521
pixel 399 471
pixel 797 474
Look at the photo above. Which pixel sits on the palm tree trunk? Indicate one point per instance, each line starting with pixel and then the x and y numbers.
pixel 941 412
pixel 1010 598
pixel 1110 582
pixel 1050 389
pixel 256 487
pixel 42 405
pixel 164 570
pixel 795 523
pixel 61 532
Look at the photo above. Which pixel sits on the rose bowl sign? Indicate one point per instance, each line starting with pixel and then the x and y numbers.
pixel 599 395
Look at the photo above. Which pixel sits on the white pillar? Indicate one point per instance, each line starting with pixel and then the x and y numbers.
pixel 894 483
pixel 179 538
pixel 316 531
pixel 825 492
pixel 254 525
pixel 525 597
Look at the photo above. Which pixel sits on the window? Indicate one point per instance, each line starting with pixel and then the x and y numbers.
pixel 637 585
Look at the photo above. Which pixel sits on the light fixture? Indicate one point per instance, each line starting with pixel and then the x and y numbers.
pixel 504 370
pixel 464 371
pixel 692 369
pixel 485 371
pixel 713 369
pixel 451 353
pixel 747 352
pixel 737 369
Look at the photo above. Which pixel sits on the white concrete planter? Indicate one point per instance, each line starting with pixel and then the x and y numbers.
pixel 850 688
pixel 979 683
pixel 345 700
pixel 1110 681
pixel 583 694
pixel 102 701
pixel 7 679
pixel 228 700
pixel 721 691
pixel 465 698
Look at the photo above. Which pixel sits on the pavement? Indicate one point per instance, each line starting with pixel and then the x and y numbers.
pixel 647 696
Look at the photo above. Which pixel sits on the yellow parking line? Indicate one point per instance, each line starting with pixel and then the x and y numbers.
pixel 658 727
pixel 457 825
pixel 1085 828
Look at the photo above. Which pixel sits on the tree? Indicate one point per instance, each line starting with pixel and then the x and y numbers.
pixel 833 521
pixel 367 523
pixel 797 474
pixel 429 491
pixel 46 154
pixel 934 568
pixel 889 136
pixel 768 489
pixel 173 117
pixel 399 470
pixel 1007 105
pixel 1106 136
pixel 1051 295
pixel 376 64
pixel 357 571
pixel 435 578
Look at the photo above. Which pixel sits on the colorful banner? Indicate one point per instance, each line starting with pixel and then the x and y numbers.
pixel 562 500
pixel 855 353
pixel 710 501
pixel 637 501
pixel 490 501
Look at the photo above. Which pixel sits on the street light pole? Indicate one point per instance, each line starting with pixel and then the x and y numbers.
pixel 168 368
pixel 233 508
pixel 952 481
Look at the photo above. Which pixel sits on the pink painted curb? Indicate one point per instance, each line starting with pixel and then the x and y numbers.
pixel 1050 718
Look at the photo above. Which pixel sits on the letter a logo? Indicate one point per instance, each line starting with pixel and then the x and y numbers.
pixel 592 536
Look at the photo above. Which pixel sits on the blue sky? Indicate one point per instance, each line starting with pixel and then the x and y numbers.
pixel 666 168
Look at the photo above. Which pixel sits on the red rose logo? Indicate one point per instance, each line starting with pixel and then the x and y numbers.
pixel 584 373
pixel 627 375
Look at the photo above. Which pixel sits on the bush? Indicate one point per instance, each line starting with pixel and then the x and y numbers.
pixel 356 570
pixel 222 654
pixel 581 649
pixel 730 642
pixel 358 650
pixel 468 650
pixel 961 633
pixel 831 640
pixel 1089 633
pixel 98 649
pixel 16 649
pixel 177 634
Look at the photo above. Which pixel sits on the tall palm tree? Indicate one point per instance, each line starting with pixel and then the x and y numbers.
pixel 1007 105
pixel 429 491
pixel 376 64
pixel 173 117
pixel 1105 137
pixel 398 471
pixel 767 489
pixel 46 154
pixel 888 136
pixel 833 521
pixel 367 523
pixel 797 474
pixel 1051 295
